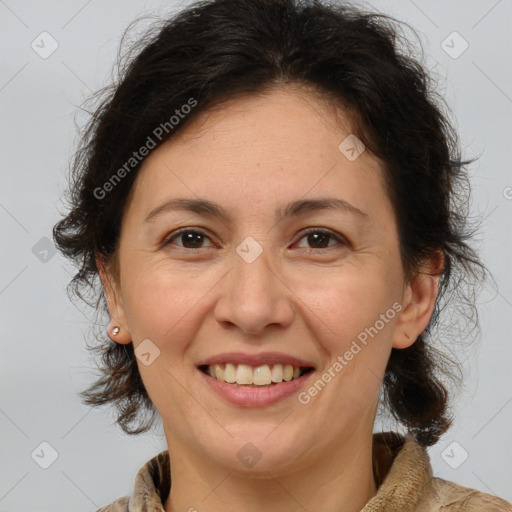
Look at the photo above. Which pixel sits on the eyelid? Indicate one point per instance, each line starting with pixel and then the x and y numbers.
pixel 333 234
pixel 178 232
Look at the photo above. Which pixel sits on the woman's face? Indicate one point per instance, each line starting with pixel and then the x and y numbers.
pixel 253 282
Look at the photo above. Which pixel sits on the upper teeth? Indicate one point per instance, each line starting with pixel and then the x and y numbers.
pixel 260 376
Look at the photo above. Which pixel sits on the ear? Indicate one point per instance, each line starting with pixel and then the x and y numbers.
pixel 114 304
pixel 418 303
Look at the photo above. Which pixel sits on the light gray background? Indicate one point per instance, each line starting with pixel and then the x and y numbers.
pixel 43 361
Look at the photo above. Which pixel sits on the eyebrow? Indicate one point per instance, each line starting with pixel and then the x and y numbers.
pixel 293 209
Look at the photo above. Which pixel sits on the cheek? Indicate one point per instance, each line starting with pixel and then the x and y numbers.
pixel 353 323
pixel 160 306
pixel 346 302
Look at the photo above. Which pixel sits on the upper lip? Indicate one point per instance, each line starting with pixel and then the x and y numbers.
pixel 255 359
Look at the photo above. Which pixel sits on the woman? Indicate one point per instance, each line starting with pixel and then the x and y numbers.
pixel 269 197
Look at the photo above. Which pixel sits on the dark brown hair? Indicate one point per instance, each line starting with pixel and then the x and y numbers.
pixel 218 50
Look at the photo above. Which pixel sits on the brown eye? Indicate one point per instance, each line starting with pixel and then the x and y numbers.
pixel 319 238
pixel 191 239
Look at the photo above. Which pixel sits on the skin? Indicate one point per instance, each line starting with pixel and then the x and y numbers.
pixel 304 298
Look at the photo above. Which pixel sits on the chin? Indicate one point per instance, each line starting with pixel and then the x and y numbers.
pixel 254 453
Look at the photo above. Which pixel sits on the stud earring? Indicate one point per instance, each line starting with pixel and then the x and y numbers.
pixel 115 331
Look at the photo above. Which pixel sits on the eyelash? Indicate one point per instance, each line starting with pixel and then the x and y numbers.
pixel 168 240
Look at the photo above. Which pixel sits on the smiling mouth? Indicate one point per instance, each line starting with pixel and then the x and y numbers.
pixel 261 376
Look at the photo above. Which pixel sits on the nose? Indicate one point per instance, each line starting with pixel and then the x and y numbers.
pixel 254 296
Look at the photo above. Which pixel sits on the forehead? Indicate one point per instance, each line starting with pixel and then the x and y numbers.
pixel 282 114
pixel 270 147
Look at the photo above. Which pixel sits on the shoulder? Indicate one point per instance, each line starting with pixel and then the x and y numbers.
pixel 120 505
pixel 152 484
pixel 451 497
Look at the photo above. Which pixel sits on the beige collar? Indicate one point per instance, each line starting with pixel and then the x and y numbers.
pixel 405 466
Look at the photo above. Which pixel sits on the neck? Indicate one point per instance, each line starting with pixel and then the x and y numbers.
pixel 340 478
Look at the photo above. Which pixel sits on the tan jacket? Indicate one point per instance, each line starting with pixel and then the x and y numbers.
pixel 402 471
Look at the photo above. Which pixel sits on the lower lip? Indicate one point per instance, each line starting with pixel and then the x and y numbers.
pixel 245 396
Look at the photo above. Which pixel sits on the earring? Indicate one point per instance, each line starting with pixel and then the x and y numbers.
pixel 115 331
